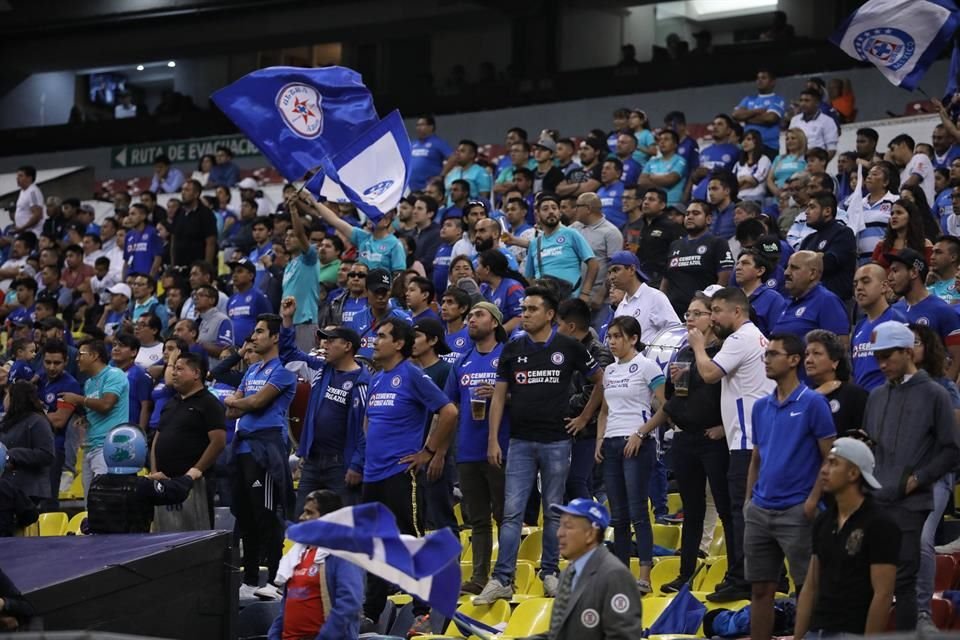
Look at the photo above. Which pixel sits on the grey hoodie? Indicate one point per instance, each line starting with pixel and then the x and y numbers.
pixel 914 427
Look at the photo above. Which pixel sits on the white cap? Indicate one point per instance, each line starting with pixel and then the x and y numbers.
pixel 248 183
pixel 121 289
pixel 857 453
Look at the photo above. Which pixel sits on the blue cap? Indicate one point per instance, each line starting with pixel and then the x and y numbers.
pixel 593 511
pixel 891 335
pixel 628 259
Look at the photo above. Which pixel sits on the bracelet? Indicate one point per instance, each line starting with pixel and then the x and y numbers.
pixel 429 450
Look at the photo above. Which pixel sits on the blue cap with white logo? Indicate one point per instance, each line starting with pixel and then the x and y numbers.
pixel 593 511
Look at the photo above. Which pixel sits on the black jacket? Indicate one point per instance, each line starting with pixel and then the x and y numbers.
pixel 838 245
pixel 581 387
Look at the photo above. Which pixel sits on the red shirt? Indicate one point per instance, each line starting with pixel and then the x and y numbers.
pixel 303 614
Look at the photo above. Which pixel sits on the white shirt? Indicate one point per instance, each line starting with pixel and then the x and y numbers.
pixel 520 253
pixel 29 198
pixel 921 166
pixel 822 131
pixel 12 263
pixel 628 389
pixel 92 257
pixel 759 173
pixel 149 356
pixel 651 308
pixel 463 247
pixel 122 111
pixel 744 382
pixel 189 312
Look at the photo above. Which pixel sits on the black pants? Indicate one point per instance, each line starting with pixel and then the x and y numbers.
pixel 438 497
pixel 400 494
pixel 260 529
pixel 697 460
pixel 482 486
pixel 737 482
pixel 905 588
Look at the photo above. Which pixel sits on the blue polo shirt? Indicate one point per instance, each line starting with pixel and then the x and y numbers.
pixel 716 156
pixel 140 248
pixel 866 372
pixel 770 102
pixel 787 437
pixel 243 309
pixel 936 314
pixel 274 415
pixel 379 253
pixel 768 305
pixel 563 252
pixel 426 160
pixel 109 380
pixel 611 199
pixel 141 388
pixel 472 370
pixel 399 403
pixel 662 166
pixel 818 309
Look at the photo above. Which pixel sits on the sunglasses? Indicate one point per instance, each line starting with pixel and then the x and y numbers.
pixel 356 274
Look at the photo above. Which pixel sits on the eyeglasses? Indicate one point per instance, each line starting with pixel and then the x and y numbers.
pixel 773 354
pixel 695 314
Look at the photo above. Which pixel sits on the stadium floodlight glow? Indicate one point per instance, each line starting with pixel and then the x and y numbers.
pixel 744 7
pixel 171 64
pixel 139 67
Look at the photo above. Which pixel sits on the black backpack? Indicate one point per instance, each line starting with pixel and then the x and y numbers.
pixel 113 506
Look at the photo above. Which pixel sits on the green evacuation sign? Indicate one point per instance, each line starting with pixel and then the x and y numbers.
pixel 143 155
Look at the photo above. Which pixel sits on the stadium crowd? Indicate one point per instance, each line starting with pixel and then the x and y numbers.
pixel 526 332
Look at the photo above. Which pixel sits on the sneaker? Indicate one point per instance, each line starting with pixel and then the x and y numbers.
pixel 643 586
pixel 925 623
pixel 66 481
pixel 729 593
pixel 268 591
pixel 551 584
pixel 945 549
pixel 421 626
pixel 248 592
pixel 674 585
pixel 662 520
pixel 494 591
pixel 471 588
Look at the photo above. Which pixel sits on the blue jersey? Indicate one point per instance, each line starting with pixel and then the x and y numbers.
pixel 770 102
pixel 716 156
pixel 475 175
pixel 611 200
pixel 351 307
pixel 508 296
pixel 254 257
pixel 49 391
pixel 140 249
pixel 160 395
pixel 21 371
pixel 472 370
pixel 274 415
pixel 243 309
pixel 379 253
pixel 660 166
pixel 301 279
pixel 768 305
pixel 221 390
pixel 331 413
pixel 943 209
pixel 23 315
pixel 511 261
pixel 722 224
pixel 562 254
pixel 787 437
pixel 631 171
pixel 459 343
pixel 689 150
pixel 866 372
pixel 400 401
pixel 441 266
pixel 936 314
pixel 818 309
pixel 426 160
pixel 363 323
pixel 109 380
pixel 141 388
pixel 426 314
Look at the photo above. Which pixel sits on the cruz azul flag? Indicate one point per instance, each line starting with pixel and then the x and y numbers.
pixel 901 38
pixel 319 122
pixel 367 535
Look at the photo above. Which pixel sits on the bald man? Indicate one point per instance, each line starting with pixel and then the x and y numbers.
pixel 811 306
pixel 487 236
pixel 605 240
pixel 870 290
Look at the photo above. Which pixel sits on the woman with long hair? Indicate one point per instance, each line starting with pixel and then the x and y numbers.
pixel 202 174
pixel 828 368
pixel 28 436
pixel 754 272
pixel 646 142
pixel 789 163
pixel 631 384
pixel 502 286
pixel 931 221
pixel 904 231
pixel 753 167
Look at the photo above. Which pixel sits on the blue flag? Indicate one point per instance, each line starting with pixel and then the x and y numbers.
pixel 682 616
pixel 902 39
pixel 367 535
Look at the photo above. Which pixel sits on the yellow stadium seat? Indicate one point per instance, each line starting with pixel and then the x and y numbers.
pixel 458 513
pixel 73 527
pixel 400 599
pixel 665 570
pixel 652 607
pixel 491 614
pixel 531 547
pixel 666 535
pixel 530 617
pixel 53 524
pixel 287 545
pixel 674 503
pixel 524 576
pixel 75 492
pixel 718 546
pixel 709 579
pixel 31 531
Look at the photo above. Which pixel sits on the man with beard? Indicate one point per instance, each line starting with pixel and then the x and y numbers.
pixel 650 234
pixel 559 252
pixel 486 237
pixel 696 261
pixel 834 241
pixel 811 305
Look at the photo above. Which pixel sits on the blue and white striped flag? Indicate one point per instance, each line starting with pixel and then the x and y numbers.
pixel 901 38
pixel 367 535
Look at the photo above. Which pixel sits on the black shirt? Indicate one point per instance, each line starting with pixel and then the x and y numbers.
pixel 699 410
pixel 846 404
pixel 869 536
pixel 190 232
pixel 838 244
pixel 693 266
pixel 183 428
pixel 547 181
pixel 538 376
pixel 651 241
pixel 427 242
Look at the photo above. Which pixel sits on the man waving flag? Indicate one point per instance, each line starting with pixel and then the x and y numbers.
pixel 901 38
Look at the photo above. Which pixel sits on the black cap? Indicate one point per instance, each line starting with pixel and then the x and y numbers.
pixel 379 279
pixel 913 260
pixel 344 333
pixel 433 329
pixel 243 263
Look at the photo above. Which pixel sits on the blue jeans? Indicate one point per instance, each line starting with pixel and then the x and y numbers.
pixel 580 478
pixel 658 481
pixel 552 460
pixel 627 481
pixel 942 494
pixel 321 472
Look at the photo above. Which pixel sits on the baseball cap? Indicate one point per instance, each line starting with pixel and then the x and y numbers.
pixel 121 289
pixel 490 308
pixel 433 329
pixel 343 333
pixel 891 335
pixel 628 259
pixel 913 260
pixel 547 143
pixel 593 511
pixel 243 263
pixel 712 289
pixel 248 183
pixel 378 279
pixel 858 453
